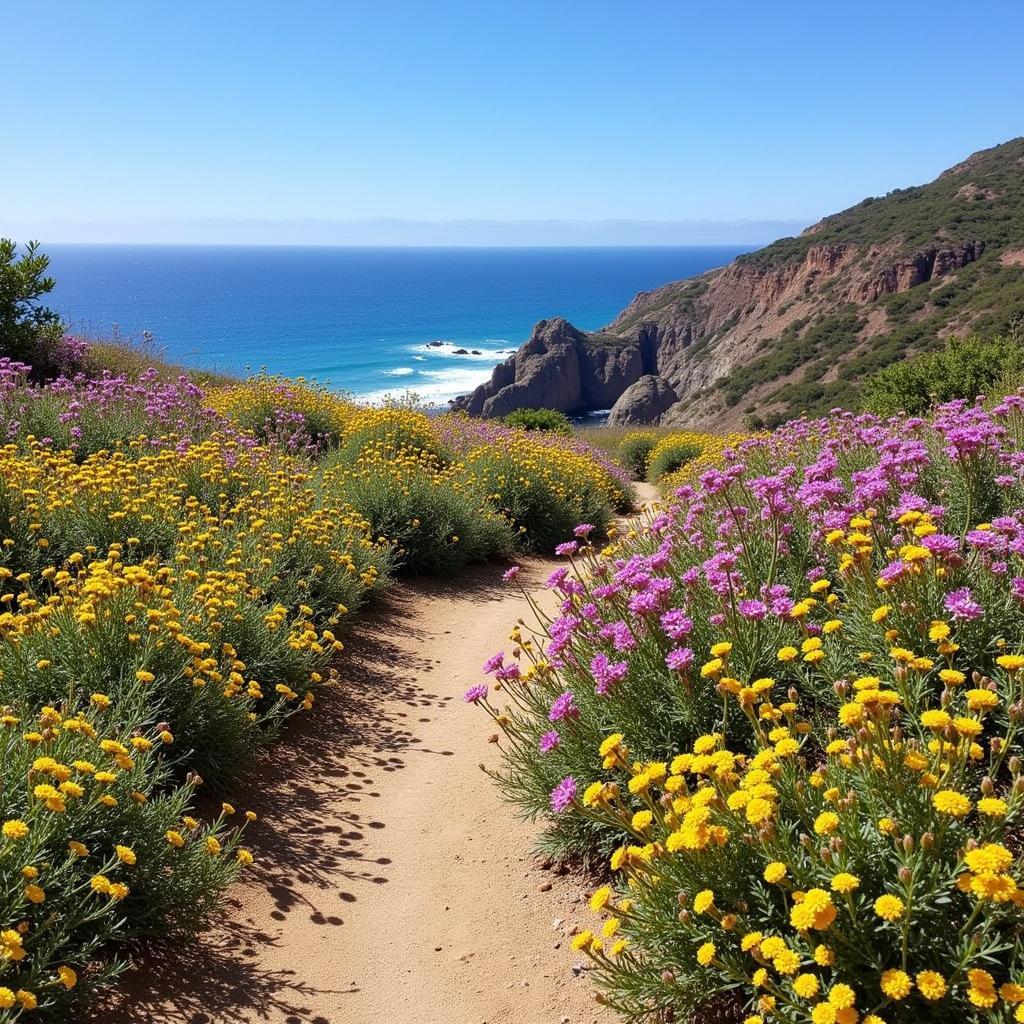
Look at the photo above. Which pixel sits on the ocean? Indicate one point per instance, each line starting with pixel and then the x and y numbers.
pixel 369 321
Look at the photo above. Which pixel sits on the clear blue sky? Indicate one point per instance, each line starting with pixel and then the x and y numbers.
pixel 434 111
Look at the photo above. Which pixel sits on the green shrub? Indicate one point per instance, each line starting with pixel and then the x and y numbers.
pixel 435 524
pixel 962 369
pixel 539 419
pixel 634 452
pixel 28 330
pixel 545 493
pixel 669 455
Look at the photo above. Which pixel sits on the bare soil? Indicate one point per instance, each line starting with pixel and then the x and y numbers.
pixel 392 885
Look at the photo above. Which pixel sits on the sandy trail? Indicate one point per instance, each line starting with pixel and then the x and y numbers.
pixel 392 885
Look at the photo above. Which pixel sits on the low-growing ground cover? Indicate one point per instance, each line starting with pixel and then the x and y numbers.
pixel 176 564
pixel 683 455
pixel 787 709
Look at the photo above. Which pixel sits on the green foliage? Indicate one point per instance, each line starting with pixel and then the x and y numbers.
pixel 543 504
pixel 436 525
pixel 963 369
pixel 539 419
pixel 26 326
pixel 635 451
pixel 808 348
pixel 670 456
pixel 981 198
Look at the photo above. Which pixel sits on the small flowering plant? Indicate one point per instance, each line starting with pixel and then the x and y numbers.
pixel 797 699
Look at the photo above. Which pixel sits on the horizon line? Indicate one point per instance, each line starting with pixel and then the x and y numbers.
pixel 396 245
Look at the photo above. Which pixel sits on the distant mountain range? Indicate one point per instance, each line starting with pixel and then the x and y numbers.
pixel 797 325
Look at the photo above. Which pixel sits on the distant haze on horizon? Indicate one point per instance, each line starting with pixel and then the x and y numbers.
pixel 393 232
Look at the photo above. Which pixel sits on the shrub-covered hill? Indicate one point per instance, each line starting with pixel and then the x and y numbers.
pixel 797 326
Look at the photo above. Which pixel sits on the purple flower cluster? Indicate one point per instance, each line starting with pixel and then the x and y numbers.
pixel 923 517
pixel 475 694
pixel 563 794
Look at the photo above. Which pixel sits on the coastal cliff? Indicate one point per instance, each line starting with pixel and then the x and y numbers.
pixel 794 326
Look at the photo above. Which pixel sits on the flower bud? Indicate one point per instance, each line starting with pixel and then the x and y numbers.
pixel 908 844
pixel 1015 764
pixel 684 916
pixel 927 841
pixel 987 787
pixel 668 978
pixel 904 874
pixel 682 899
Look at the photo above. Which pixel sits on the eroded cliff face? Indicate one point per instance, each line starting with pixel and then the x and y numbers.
pixel 689 334
pixel 797 314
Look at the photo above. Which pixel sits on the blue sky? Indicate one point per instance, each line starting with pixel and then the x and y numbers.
pixel 147 113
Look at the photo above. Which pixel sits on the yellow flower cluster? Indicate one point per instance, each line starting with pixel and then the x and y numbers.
pixel 521 473
pixel 710 446
pixel 805 819
pixel 265 401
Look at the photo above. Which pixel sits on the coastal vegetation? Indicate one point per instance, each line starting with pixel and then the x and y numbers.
pixel 634 452
pixel 974 366
pixel 539 419
pixel 784 712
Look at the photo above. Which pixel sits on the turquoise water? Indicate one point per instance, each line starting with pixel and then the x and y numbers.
pixel 360 319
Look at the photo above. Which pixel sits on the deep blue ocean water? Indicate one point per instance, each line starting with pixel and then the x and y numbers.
pixel 360 319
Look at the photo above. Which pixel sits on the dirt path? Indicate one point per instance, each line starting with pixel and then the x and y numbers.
pixel 392 885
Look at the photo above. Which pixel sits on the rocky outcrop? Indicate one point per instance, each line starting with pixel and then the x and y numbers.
pixel 919 268
pixel 775 329
pixel 560 368
pixel 643 402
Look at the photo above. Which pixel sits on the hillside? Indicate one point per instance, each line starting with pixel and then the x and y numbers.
pixel 797 325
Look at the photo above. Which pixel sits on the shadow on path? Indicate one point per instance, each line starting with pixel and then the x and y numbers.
pixel 314 793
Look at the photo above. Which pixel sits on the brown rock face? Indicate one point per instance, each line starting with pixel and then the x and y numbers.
pixel 920 268
pixel 561 368
pixel 646 355
pixel 643 402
